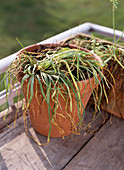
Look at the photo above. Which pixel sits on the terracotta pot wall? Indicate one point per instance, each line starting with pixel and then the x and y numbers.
pixel 38 111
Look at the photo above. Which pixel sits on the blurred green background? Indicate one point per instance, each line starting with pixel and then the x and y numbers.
pixel 35 20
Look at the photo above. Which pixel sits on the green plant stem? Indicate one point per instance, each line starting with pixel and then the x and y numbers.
pixel 114 25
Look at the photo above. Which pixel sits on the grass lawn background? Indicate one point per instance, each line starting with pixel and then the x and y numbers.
pixel 35 20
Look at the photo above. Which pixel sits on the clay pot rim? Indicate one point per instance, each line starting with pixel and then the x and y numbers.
pixel 36 46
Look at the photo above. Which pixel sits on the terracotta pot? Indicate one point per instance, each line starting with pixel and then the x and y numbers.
pixel 38 109
pixel 115 103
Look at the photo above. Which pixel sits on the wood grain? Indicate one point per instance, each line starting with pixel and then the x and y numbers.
pixel 104 151
pixel 19 151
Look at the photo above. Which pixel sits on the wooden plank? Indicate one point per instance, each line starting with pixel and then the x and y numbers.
pixel 104 151
pixel 17 151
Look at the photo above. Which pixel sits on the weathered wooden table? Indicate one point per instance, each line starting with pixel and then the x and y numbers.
pixel 101 149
